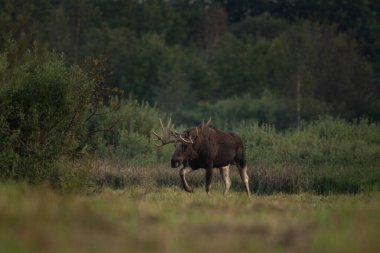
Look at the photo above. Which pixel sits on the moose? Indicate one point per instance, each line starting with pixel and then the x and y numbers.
pixel 205 147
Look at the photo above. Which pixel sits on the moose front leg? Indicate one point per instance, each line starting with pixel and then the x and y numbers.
pixel 182 174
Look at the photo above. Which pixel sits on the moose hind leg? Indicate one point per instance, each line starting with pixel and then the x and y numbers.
pixel 182 174
pixel 244 178
pixel 208 179
pixel 225 174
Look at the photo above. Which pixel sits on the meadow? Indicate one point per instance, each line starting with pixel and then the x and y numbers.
pixel 315 189
pixel 161 217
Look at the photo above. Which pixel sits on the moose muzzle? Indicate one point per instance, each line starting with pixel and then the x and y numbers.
pixel 175 163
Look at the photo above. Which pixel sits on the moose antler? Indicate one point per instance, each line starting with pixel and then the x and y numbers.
pixel 171 136
pixel 207 124
pixel 167 133
pixel 188 141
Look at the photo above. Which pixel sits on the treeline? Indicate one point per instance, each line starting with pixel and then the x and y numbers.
pixel 276 62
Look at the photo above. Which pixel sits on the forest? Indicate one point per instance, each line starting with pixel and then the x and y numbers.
pixel 274 62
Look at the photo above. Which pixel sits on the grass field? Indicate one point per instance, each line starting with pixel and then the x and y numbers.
pixel 142 215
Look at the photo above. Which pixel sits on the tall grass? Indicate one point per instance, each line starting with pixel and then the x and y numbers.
pixel 329 155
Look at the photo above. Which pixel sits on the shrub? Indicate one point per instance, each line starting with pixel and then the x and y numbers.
pixel 42 105
pixel 129 138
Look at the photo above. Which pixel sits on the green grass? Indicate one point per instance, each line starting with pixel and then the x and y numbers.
pixel 144 217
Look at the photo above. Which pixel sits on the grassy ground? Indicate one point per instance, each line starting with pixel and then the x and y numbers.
pixel 160 217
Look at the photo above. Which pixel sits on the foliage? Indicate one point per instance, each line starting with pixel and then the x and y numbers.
pixel 132 139
pixel 43 103
pixel 189 53
pixel 334 79
pixel 331 155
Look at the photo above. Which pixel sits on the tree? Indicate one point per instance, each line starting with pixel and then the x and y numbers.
pixel 22 21
pixel 69 22
pixel 329 66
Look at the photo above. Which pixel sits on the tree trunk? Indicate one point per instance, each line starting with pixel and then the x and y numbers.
pixel 76 49
pixel 298 99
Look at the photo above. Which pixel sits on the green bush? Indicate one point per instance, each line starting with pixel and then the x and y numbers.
pixel 42 105
pixel 129 138
pixel 133 145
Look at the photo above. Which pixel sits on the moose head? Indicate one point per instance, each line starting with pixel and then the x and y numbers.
pixel 183 142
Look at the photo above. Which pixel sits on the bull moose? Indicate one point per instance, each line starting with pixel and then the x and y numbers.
pixel 205 147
